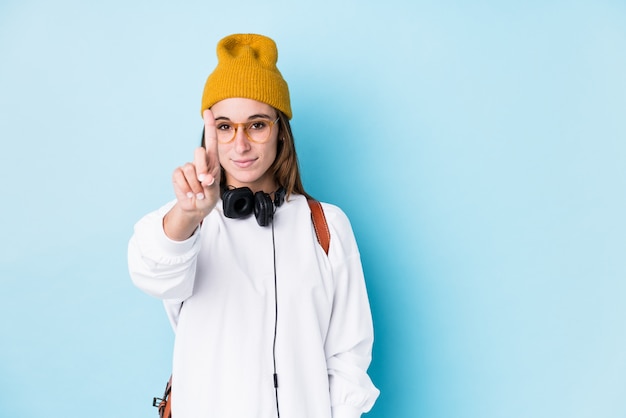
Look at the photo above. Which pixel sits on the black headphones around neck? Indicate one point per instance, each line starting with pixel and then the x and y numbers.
pixel 241 202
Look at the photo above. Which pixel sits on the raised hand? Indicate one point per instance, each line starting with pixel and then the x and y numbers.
pixel 196 186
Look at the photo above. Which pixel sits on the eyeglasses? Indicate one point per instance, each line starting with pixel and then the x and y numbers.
pixel 257 130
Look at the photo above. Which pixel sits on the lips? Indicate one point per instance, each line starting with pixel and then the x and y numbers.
pixel 244 163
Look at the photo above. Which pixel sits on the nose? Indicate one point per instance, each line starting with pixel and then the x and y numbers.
pixel 241 142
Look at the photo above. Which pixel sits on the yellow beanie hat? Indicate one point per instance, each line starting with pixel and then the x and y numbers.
pixel 246 67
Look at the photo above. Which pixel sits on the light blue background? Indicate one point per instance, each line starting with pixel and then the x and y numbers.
pixel 479 150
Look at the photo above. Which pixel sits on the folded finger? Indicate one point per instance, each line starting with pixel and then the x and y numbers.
pixel 191 174
pixel 200 161
pixel 181 186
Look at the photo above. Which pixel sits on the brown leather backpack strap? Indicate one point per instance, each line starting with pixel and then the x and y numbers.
pixel 167 410
pixel 320 225
pixel 164 404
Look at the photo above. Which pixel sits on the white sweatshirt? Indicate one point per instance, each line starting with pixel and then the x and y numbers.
pixel 223 362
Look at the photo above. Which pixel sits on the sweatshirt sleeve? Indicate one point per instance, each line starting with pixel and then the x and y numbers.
pixel 158 265
pixel 350 335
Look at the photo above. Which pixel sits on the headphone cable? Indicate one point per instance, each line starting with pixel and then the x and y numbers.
pixel 275 321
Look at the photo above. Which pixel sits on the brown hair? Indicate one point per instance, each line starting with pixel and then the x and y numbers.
pixel 285 168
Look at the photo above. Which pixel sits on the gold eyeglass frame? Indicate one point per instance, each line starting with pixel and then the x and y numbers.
pixel 245 126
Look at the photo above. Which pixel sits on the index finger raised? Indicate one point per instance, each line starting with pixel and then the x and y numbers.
pixel 210 143
pixel 210 132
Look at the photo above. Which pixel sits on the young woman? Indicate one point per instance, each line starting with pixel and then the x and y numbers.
pixel 267 324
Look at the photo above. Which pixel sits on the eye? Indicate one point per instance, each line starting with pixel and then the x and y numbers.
pixel 257 125
pixel 224 127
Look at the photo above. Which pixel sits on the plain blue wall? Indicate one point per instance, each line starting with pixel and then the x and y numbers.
pixel 479 151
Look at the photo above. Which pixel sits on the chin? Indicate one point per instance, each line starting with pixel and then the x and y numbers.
pixel 246 180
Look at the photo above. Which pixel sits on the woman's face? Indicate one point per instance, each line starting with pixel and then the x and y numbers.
pixel 244 161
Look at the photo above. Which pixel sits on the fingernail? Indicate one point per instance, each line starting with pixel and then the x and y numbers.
pixel 201 178
pixel 200 196
pixel 212 181
pixel 189 195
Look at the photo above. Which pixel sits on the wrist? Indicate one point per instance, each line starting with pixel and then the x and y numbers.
pixel 179 224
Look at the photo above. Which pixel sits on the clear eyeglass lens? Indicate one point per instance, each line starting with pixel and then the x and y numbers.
pixel 256 130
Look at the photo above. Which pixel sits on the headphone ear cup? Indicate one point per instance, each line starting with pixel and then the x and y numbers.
pixel 263 208
pixel 279 196
pixel 238 203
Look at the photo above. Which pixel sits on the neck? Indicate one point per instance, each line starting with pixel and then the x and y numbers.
pixel 268 186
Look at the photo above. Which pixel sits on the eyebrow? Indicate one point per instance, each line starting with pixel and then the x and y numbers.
pixel 252 117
